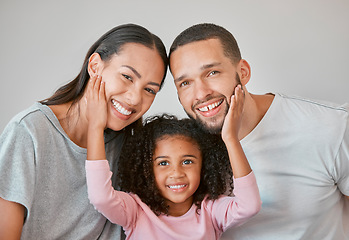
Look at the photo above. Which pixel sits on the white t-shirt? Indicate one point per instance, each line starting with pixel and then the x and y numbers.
pixel 299 153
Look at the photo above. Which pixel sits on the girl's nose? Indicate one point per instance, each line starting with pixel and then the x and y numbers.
pixel 177 172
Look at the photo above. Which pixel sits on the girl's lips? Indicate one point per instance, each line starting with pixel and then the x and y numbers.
pixel 177 187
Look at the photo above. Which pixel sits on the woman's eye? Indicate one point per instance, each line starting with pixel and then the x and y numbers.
pixel 150 91
pixel 127 77
pixel 188 161
pixel 184 83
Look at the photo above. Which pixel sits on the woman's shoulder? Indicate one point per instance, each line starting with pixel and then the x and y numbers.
pixel 35 118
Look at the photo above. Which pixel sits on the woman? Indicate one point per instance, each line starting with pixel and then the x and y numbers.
pixel 43 191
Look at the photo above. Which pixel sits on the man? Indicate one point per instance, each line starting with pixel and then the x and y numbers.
pixel 297 148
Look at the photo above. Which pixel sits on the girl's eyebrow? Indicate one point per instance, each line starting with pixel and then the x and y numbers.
pixel 160 157
pixel 186 155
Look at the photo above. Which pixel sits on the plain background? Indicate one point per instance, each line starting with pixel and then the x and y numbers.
pixel 298 47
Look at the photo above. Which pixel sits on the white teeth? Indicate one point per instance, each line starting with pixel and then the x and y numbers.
pixel 176 186
pixel 120 109
pixel 211 106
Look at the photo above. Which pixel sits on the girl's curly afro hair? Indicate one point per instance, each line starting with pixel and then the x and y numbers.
pixel 135 166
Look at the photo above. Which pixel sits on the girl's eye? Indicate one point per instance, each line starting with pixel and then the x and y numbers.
pixel 127 77
pixel 187 161
pixel 163 163
pixel 184 83
pixel 150 91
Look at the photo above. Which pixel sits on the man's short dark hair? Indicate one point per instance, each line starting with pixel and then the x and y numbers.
pixel 205 31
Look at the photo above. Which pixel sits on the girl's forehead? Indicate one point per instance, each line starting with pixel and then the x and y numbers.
pixel 170 137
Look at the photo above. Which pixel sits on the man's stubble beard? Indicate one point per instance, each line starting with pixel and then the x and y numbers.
pixel 207 126
pixel 214 129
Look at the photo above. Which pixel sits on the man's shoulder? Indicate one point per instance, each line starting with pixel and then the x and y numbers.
pixel 321 105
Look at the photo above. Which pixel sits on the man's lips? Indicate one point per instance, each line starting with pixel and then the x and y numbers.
pixel 210 106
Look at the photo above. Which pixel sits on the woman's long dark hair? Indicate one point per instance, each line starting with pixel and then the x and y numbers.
pixel 135 166
pixel 106 46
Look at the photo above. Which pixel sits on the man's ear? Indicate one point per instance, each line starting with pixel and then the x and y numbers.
pixel 244 70
pixel 95 64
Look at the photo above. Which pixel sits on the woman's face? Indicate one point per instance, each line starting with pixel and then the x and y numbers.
pixel 132 78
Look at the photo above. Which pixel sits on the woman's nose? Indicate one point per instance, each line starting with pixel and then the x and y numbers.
pixel 134 96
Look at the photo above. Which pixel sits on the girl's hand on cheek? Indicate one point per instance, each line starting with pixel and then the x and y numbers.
pixel 96 103
pixel 233 118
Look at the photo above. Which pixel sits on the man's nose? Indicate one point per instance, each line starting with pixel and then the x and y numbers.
pixel 202 89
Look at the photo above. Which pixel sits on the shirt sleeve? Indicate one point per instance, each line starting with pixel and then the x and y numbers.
pixel 119 207
pixel 234 211
pixel 17 165
pixel 341 172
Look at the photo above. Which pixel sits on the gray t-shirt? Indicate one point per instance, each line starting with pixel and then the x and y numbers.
pixel 299 153
pixel 42 169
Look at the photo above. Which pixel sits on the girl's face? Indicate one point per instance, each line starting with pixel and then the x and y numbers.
pixel 177 164
pixel 132 78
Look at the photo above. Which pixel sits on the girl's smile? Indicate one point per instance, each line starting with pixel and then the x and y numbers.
pixel 177 168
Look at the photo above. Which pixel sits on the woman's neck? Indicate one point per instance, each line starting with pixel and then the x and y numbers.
pixel 73 121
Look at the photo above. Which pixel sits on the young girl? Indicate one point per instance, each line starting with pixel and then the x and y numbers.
pixel 174 176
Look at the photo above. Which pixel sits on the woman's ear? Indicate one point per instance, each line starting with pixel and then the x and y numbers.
pixel 94 66
pixel 244 70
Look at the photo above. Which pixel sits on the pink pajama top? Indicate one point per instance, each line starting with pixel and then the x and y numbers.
pixel 140 222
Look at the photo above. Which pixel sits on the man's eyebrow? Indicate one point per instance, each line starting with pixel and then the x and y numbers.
pixel 180 78
pixel 133 70
pixel 203 67
pixel 210 65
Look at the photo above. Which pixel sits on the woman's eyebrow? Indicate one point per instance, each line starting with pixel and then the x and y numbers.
pixel 133 70
pixel 139 75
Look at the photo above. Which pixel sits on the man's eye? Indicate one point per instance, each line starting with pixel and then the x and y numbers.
pixel 213 73
pixel 127 77
pixel 184 83
pixel 188 161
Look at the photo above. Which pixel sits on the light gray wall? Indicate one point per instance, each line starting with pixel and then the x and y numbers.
pixel 297 47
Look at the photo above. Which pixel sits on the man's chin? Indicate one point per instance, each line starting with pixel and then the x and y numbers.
pixel 212 127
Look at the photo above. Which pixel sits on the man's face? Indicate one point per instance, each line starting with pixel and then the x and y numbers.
pixel 205 80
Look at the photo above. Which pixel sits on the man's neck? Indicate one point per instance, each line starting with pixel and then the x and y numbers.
pixel 254 110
